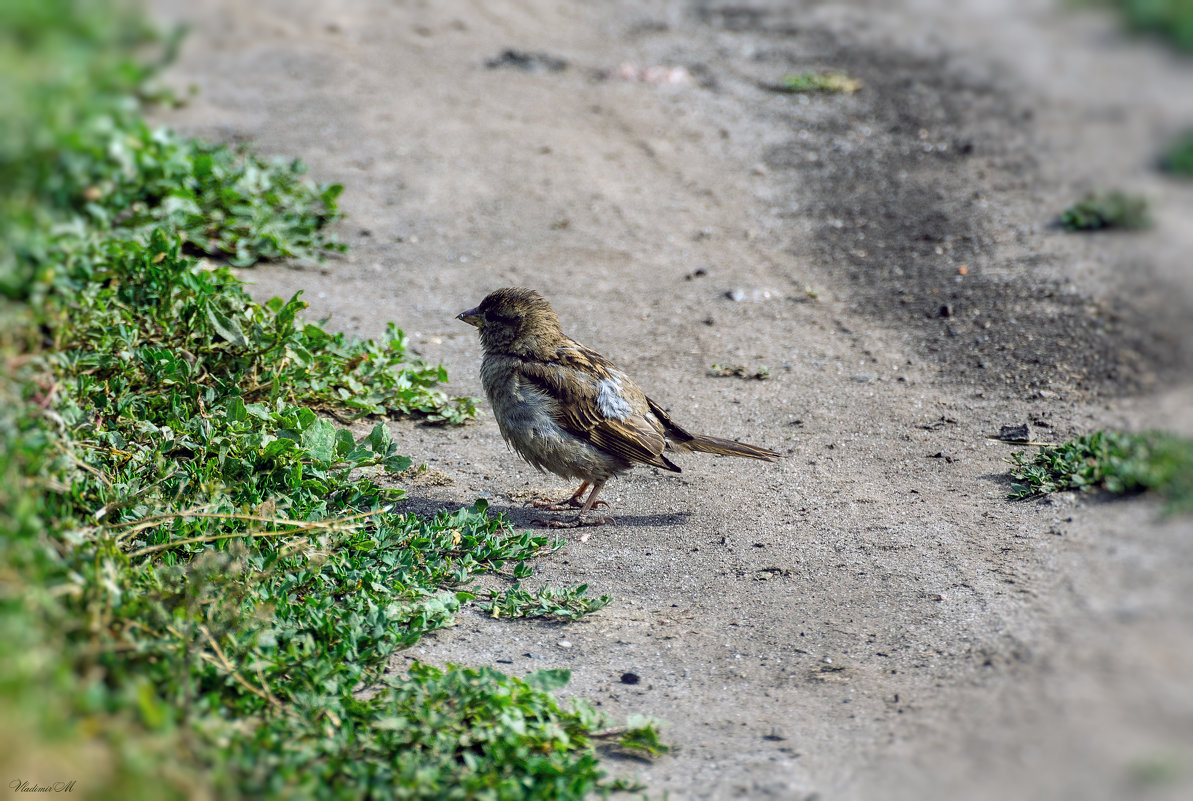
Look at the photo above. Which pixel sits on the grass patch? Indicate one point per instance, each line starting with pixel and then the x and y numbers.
pixel 1169 19
pixel 129 179
pixel 78 161
pixel 201 581
pixel 1108 210
pixel 1117 462
pixel 827 82
pixel 1178 159
pixel 545 602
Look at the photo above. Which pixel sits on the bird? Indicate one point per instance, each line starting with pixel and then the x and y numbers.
pixel 568 410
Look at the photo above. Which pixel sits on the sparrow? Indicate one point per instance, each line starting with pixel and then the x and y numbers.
pixel 568 410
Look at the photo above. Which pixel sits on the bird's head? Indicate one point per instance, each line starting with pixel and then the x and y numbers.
pixel 514 320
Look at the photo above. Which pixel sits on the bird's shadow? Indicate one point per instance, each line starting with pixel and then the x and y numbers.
pixel 618 753
pixel 526 516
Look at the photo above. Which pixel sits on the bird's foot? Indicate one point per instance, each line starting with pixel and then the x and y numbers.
pixel 573 502
pixel 585 508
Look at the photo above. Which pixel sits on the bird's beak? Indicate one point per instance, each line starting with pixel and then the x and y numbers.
pixel 471 317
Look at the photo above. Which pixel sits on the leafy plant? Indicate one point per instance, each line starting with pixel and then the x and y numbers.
pixel 201 580
pixel 641 734
pixel 828 82
pixel 1172 19
pixel 76 156
pixel 1115 461
pixel 66 63
pixel 147 319
pixel 1178 160
pixel 130 179
pixel 1108 210
pixel 557 604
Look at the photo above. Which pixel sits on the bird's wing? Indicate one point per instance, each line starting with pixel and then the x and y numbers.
pixel 596 403
pixel 670 428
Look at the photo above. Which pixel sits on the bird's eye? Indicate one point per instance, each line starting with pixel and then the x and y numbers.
pixel 500 318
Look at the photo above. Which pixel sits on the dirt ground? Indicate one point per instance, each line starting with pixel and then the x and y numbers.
pixel 870 618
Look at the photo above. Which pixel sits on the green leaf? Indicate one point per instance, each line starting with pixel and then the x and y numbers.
pixel 319 440
pixel 549 679
pixel 153 713
pixel 159 243
pixel 378 439
pixel 286 313
pixel 237 412
pixel 345 444
pixel 259 410
pixel 226 327
pixel 330 193
pixel 396 464
pixel 642 735
pixel 279 446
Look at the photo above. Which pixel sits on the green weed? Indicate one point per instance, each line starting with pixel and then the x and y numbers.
pixel 147 326
pixel 201 581
pixel 1107 210
pixel 641 734
pixel 1171 19
pixel 545 602
pixel 1118 462
pixel 828 82
pixel 77 160
pixel 129 179
pixel 1178 160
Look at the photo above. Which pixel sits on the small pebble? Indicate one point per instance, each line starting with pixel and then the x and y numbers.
pixel 630 678
pixel 564 644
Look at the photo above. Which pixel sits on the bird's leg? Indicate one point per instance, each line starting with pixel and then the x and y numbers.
pixel 558 506
pixel 573 502
pixel 588 506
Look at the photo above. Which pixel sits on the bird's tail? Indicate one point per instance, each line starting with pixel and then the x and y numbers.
pixel 681 440
pixel 725 447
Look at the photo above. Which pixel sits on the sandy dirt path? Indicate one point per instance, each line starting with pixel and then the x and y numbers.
pixel 869 618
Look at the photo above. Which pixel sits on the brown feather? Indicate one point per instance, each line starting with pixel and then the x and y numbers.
pixel 565 408
pixel 633 438
pixel 681 440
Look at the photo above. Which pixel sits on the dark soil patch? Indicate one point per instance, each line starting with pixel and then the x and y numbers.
pixel 907 183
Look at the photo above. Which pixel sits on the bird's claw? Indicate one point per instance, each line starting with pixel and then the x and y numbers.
pixel 555 506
